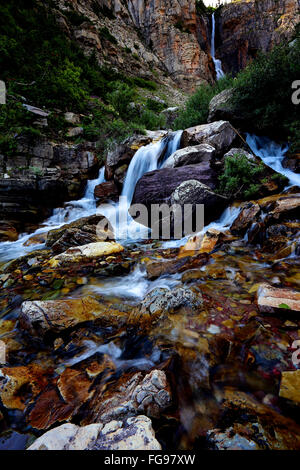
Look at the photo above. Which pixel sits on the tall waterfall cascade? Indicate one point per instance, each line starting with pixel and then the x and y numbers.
pixel 217 62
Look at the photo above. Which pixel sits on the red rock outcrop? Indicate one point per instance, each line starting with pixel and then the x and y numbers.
pixel 249 26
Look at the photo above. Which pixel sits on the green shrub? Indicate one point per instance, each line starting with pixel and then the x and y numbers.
pixel 238 176
pixel 142 83
pixel 154 105
pixel 152 121
pixel 197 107
pixel 121 98
pixel 263 92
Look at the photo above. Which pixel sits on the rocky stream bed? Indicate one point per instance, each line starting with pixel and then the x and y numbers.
pixel 149 344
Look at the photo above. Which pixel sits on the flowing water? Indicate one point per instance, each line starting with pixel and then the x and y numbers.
pixel 227 279
pixel 217 62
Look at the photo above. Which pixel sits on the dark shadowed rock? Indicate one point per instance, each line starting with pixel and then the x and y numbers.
pixel 106 191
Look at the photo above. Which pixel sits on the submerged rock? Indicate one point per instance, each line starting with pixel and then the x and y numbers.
pixel 229 440
pixel 40 316
pixel 131 395
pixel 273 300
pixel 132 434
pixel 247 216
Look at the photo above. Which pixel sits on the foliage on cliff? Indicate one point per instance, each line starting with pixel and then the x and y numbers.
pixel 262 96
pixel 41 66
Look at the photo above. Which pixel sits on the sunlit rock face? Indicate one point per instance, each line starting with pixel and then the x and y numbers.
pixel 165 36
pixel 170 28
pixel 246 27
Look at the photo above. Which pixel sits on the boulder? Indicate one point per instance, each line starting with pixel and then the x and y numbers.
pixel 191 184
pixel 132 434
pixel 38 316
pixel 106 191
pixel 86 252
pixel 273 300
pixel 234 151
pixel 219 134
pixel 161 300
pixel 72 118
pixel 190 155
pixel 81 232
pixel 220 107
pixel 132 395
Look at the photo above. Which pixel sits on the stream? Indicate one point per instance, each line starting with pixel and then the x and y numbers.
pixel 180 343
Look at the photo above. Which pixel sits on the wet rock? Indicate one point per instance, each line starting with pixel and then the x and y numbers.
pixel 161 300
pixel 132 434
pixel 149 394
pixel 106 191
pixel 202 244
pixel 248 214
pixel 89 251
pixel 81 232
pixel 219 134
pixel 190 184
pixel 229 440
pixel 156 269
pixel 190 155
pixel 20 385
pixel 292 161
pixel 258 422
pixel 220 107
pixel 290 385
pixel 39 316
pixel 286 206
pixel 8 232
pixel 273 300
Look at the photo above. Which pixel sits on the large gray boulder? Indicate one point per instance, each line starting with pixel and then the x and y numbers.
pixel 219 134
pixel 190 155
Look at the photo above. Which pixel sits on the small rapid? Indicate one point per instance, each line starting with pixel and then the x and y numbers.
pixel 272 154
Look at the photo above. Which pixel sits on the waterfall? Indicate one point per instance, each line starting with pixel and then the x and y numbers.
pixel 272 154
pixel 146 159
pixel 217 62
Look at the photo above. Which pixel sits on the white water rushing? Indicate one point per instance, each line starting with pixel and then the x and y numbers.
pixel 272 154
pixel 217 62
pixel 146 159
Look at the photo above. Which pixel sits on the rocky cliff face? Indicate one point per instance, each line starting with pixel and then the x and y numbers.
pixel 246 27
pixel 153 39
